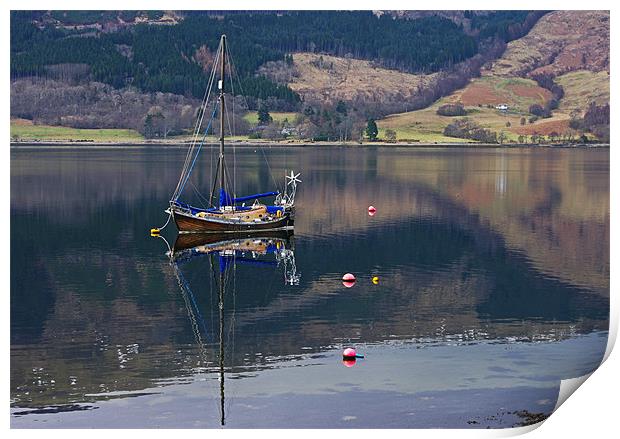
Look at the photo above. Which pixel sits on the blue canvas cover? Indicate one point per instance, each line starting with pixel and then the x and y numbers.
pixel 225 198
pixel 256 196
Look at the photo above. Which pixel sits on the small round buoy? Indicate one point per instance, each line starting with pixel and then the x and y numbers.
pixel 375 280
pixel 349 353
pixel 371 210
pixel 348 280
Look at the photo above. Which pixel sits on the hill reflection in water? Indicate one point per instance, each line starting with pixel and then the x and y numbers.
pixel 472 248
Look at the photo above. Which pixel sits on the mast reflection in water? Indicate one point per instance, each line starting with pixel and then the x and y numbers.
pixel 224 252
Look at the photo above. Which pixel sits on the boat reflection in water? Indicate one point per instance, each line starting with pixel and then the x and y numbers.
pixel 224 252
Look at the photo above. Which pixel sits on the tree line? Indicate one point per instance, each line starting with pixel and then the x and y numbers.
pixel 504 25
pixel 595 120
pixel 546 81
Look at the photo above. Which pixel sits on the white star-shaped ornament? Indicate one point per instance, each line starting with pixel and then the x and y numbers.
pixel 293 178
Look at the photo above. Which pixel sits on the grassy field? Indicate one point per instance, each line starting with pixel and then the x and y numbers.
pixel 25 130
pixel 406 134
pixel 517 93
pixel 479 99
pixel 582 87
pixel 252 117
pixel 427 126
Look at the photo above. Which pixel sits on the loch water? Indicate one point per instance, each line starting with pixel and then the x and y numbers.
pixel 492 286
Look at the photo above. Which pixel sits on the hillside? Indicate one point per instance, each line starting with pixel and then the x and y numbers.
pixel 171 52
pixel 146 70
pixel 329 79
pixel 571 47
pixel 561 42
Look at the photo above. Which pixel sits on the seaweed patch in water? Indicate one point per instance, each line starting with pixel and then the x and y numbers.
pixel 530 418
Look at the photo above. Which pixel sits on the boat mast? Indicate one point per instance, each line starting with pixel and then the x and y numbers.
pixel 222 110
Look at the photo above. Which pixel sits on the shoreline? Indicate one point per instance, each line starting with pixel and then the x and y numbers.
pixel 297 144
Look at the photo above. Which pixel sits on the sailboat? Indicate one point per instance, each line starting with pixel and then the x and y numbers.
pixel 230 213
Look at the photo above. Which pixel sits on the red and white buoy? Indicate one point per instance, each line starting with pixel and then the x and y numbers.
pixel 349 355
pixel 348 280
pixel 371 210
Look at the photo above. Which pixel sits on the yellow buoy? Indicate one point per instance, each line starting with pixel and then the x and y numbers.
pixel 375 280
pixel 154 232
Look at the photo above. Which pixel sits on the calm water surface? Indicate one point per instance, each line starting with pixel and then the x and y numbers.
pixel 493 271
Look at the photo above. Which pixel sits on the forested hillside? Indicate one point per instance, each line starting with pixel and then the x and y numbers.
pixel 67 53
pixel 167 58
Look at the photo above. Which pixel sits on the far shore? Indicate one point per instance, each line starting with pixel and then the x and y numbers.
pixel 246 143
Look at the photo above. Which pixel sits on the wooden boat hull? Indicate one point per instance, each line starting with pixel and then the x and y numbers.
pixel 188 223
